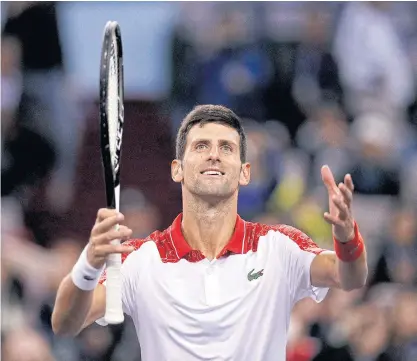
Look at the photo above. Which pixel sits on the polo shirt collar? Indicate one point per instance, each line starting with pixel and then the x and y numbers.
pixel 235 244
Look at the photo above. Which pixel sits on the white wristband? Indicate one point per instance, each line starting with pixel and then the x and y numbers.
pixel 84 275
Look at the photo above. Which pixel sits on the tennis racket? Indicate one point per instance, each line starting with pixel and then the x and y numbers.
pixel 111 131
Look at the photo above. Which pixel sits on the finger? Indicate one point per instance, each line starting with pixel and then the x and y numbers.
pixel 125 232
pixel 341 206
pixel 333 220
pixel 106 224
pixel 114 234
pixel 104 213
pixel 328 179
pixel 349 182
pixel 346 193
pixel 106 249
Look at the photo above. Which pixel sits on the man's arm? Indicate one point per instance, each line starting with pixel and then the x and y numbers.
pixel 328 271
pixel 75 307
pixel 347 267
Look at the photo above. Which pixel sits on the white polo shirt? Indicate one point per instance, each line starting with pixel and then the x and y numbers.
pixel 235 307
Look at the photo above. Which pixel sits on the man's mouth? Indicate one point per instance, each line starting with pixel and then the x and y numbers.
pixel 212 172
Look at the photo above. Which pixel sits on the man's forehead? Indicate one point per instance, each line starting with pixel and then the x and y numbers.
pixel 213 131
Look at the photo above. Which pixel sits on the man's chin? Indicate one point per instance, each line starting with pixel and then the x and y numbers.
pixel 214 195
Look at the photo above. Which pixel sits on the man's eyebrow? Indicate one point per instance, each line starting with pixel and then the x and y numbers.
pixel 227 141
pixel 200 140
pixel 205 140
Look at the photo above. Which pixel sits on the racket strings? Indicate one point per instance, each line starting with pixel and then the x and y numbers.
pixel 113 107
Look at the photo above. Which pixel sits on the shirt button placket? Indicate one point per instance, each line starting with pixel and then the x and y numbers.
pixel 210 286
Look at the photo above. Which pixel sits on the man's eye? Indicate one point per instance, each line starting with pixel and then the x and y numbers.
pixel 227 148
pixel 201 146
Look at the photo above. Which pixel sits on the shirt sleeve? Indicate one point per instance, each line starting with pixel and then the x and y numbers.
pixel 300 253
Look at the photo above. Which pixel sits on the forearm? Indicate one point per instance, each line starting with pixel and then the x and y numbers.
pixel 351 261
pixel 80 299
pixel 71 308
pixel 352 275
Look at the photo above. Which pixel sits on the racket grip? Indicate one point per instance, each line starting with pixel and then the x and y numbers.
pixel 114 310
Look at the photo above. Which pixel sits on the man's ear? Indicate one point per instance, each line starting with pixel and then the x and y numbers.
pixel 244 178
pixel 176 171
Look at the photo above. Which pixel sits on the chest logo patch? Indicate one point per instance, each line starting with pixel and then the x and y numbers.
pixel 253 276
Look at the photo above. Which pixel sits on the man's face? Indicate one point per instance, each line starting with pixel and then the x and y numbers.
pixel 211 166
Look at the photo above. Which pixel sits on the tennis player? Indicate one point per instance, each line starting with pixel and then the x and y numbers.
pixel 213 286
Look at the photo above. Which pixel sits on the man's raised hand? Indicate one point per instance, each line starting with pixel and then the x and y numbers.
pixel 104 231
pixel 340 202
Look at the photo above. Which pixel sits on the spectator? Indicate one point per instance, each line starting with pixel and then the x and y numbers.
pixel 237 72
pixel 376 75
pixel 376 163
pixel 325 138
pixel 316 78
pixel 46 107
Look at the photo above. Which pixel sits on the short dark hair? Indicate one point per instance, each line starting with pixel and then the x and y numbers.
pixel 203 114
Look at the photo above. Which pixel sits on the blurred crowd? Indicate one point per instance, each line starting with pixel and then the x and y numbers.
pixel 315 83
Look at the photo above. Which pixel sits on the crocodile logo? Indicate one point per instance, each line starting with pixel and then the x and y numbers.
pixel 253 276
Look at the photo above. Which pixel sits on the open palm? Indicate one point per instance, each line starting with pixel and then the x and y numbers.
pixel 340 201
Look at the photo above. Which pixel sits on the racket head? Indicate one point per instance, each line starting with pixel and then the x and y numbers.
pixel 111 110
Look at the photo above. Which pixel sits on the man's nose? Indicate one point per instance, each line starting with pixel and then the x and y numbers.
pixel 214 153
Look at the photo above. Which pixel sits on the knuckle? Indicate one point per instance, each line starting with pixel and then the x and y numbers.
pixel 93 243
pixel 111 213
pixel 106 212
pixel 100 212
pixel 126 232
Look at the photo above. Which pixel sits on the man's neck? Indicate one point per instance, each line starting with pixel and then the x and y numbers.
pixel 208 227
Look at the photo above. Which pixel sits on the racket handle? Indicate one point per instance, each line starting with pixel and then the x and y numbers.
pixel 114 310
